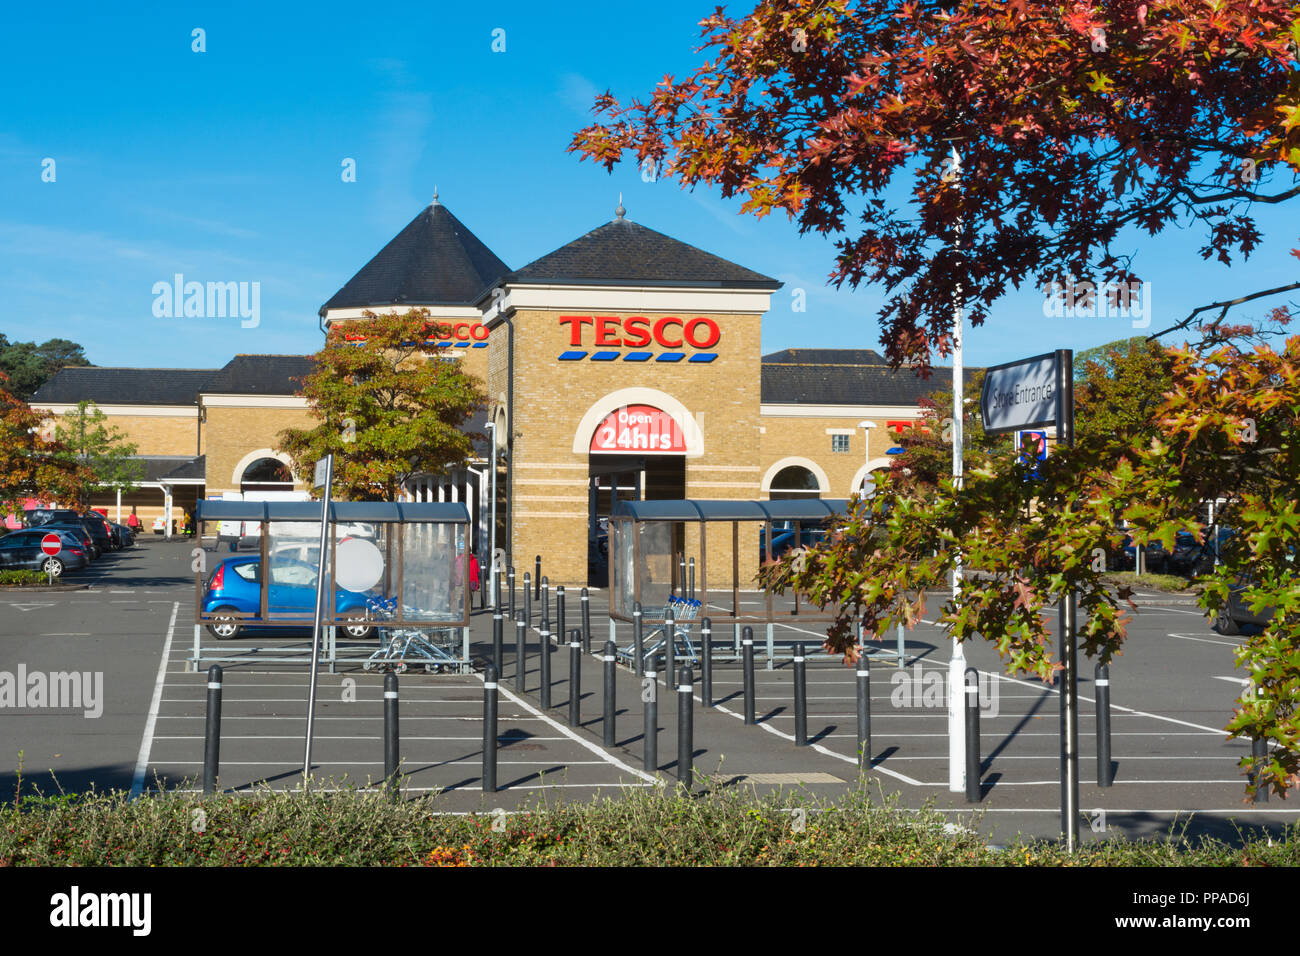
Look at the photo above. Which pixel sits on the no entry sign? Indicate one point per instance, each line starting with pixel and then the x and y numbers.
pixel 51 544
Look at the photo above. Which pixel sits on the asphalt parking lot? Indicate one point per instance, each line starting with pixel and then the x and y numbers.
pixel 1171 694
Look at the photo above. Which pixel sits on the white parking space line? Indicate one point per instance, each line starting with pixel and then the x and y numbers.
pixel 608 757
pixel 416 765
pixel 142 760
pixel 1204 640
pixel 509 738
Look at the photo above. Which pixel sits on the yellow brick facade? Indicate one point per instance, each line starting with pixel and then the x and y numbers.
pixel 232 434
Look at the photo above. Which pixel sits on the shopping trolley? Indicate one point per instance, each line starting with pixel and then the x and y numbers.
pixel 679 609
pixel 402 646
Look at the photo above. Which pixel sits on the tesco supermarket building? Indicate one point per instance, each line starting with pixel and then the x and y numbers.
pixel 626 363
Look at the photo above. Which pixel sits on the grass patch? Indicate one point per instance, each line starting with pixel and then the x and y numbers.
pixel 1151 582
pixel 722 827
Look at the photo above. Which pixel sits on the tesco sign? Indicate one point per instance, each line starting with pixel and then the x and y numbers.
pixel 442 332
pixel 637 331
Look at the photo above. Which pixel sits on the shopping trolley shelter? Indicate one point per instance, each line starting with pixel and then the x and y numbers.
pixel 399 571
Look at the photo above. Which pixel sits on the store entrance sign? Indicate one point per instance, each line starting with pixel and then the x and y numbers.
pixel 638 428
pixel 1023 394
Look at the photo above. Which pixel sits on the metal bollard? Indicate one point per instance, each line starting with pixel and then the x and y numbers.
pixel 864 713
pixel 685 725
pixel 537 578
pixel 800 698
pixel 391 734
pixel 482 586
pixel 521 652
pixel 545 693
pixel 490 730
pixel 586 622
pixel 1259 750
pixel 670 647
pixel 681 579
pixel 546 606
pixel 496 588
pixel 575 678
pixel 498 638
pixel 747 663
pixel 528 600
pixel 560 629
pixel 690 573
pixel 972 735
pixel 510 583
pixel 212 731
pixel 1102 683
pixel 706 661
pixel 610 659
pixel 638 641
pixel 650 731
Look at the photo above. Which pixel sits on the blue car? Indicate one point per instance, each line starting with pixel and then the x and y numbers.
pixel 236 585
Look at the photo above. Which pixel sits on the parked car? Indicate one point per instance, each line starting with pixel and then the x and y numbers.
pixel 21 550
pixel 236 585
pixel 1155 559
pixel 1237 612
pixel 783 539
pixel 98 542
pixel 33 517
pixel 98 521
pixel 121 534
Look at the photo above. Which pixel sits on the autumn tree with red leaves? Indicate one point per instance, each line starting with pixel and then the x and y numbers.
pixel 1072 122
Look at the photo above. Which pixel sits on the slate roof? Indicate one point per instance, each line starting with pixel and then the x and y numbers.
pixel 622 252
pixel 172 467
pixel 826 357
pixel 839 383
pixel 259 375
pixel 123 386
pixel 435 260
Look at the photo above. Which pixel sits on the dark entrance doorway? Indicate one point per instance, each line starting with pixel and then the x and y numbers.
pixel 617 478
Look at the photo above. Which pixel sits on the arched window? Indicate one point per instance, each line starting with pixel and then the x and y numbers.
pixel 794 481
pixel 266 474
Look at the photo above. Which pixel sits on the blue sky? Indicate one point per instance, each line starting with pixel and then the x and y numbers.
pixel 225 166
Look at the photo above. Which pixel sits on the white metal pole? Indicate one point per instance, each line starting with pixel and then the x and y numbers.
pixel 957 663
pixel 322 599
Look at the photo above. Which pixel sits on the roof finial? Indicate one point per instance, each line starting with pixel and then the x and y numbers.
pixel 435 196
pixel 620 212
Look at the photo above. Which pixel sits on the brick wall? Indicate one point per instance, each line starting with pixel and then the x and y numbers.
pixel 231 433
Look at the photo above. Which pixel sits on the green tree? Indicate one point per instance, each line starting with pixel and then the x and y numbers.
pixel 389 406
pixel 927 459
pixel 1118 388
pixel 29 366
pixel 100 448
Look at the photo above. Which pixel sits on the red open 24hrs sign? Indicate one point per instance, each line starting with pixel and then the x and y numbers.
pixel 638 428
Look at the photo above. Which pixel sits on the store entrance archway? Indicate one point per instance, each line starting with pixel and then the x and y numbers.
pixel 636 451
pixel 612 479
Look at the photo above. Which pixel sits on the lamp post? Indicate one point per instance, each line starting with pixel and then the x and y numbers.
pixel 957 663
